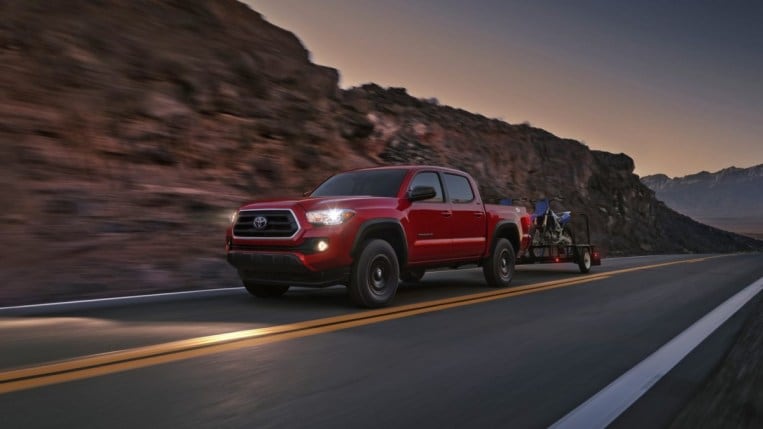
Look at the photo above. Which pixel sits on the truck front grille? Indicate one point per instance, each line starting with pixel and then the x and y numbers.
pixel 277 224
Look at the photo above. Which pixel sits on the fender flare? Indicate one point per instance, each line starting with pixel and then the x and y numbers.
pixel 369 226
pixel 510 226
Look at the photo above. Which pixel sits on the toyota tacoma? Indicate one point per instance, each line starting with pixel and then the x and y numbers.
pixel 368 229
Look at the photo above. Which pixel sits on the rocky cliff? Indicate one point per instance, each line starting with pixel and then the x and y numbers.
pixel 129 129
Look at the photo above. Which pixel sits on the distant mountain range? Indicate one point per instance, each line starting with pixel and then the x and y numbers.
pixel 730 199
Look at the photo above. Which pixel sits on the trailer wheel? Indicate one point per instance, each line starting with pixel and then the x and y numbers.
pixel 499 266
pixel 584 260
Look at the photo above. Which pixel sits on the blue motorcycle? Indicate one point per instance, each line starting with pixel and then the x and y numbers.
pixel 548 227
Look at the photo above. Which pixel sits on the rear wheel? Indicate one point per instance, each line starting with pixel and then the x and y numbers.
pixel 412 276
pixel 567 238
pixel 537 237
pixel 499 267
pixel 265 291
pixel 375 275
pixel 584 260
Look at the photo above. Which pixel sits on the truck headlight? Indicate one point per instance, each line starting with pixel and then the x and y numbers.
pixel 330 216
pixel 234 217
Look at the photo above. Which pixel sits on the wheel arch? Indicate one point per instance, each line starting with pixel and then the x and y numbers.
pixel 387 229
pixel 508 230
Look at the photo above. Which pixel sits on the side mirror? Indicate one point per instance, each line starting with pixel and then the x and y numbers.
pixel 421 193
pixel 306 193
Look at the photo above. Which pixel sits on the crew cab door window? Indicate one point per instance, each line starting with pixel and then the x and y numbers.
pixel 469 225
pixel 429 179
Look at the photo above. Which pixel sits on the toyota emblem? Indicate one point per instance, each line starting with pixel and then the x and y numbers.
pixel 260 222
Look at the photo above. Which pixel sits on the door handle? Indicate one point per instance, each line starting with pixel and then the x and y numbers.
pixel 478 214
pixel 446 213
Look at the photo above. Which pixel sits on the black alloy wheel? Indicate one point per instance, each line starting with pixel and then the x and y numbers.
pixel 375 275
pixel 499 266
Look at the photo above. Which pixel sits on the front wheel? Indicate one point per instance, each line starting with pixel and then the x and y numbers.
pixel 265 291
pixel 499 266
pixel 375 275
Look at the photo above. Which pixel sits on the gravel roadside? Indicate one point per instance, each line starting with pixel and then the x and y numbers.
pixel 732 396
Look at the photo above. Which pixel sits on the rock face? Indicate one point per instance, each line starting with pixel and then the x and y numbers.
pixel 522 161
pixel 129 130
pixel 731 198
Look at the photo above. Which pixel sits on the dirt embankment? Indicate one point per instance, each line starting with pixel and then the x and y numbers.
pixel 733 396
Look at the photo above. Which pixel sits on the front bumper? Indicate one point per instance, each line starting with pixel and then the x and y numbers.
pixel 283 268
pixel 297 261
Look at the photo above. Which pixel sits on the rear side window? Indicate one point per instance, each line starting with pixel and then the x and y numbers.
pixel 459 189
pixel 429 179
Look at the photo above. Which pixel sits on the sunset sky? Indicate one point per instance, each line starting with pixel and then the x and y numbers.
pixel 677 85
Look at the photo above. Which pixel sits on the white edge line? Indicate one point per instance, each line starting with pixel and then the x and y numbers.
pixel 605 406
pixel 52 307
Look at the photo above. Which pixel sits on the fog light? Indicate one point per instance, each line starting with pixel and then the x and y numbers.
pixel 322 246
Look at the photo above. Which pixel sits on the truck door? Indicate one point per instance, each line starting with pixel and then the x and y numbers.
pixel 468 225
pixel 430 220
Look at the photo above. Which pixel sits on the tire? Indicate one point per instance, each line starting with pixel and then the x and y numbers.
pixel 412 276
pixel 499 266
pixel 584 260
pixel 265 291
pixel 375 275
pixel 537 237
pixel 566 232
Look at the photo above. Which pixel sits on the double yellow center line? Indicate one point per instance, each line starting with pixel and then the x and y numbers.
pixel 139 357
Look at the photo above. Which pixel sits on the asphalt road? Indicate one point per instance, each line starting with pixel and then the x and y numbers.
pixel 521 359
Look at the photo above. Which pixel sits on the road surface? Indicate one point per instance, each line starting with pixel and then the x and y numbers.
pixel 451 352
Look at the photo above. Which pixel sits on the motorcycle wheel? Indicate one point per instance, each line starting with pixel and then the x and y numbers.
pixel 567 235
pixel 537 238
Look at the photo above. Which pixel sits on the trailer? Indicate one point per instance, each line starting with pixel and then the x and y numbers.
pixel 585 255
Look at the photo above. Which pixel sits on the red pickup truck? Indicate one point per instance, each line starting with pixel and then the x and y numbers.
pixel 370 228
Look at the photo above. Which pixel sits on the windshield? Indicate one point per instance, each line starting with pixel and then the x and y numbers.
pixel 374 183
